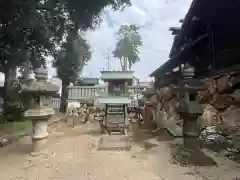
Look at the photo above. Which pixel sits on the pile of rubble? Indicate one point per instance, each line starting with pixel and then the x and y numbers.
pixel 220 122
pixel 165 103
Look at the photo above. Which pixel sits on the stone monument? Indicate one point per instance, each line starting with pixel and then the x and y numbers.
pixel 189 108
pixel 39 102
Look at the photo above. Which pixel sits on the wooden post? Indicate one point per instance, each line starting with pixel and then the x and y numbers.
pixel 106 113
pixel 125 87
pixel 212 45
pixel 124 112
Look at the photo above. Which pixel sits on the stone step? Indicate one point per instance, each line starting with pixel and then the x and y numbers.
pixel 114 142
pixel 114 122
pixel 116 113
pixel 116 133
pixel 112 128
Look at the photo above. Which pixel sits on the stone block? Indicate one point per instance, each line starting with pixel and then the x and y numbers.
pixel 114 142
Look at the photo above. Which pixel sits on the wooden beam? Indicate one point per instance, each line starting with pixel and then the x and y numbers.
pixel 175 61
pixel 212 47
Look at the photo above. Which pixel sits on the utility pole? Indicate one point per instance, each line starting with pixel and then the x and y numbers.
pixel 108 58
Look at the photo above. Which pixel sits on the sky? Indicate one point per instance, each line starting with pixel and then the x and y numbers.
pixel 154 17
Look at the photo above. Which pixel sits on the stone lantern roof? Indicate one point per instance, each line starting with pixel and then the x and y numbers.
pixel 40 85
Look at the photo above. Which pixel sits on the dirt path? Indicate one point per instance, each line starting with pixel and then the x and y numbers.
pixel 72 156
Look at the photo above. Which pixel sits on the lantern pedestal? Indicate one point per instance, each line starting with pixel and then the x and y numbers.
pixel 40 108
pixel 40 134
pixel 191 127
pixel 39 119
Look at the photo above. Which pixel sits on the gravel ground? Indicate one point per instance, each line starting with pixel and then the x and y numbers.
pixel 72 155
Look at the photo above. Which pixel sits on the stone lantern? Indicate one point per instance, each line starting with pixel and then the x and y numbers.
pixel 39 102
pixel 189 108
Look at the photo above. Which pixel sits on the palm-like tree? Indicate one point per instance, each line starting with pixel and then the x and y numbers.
pixel 127 47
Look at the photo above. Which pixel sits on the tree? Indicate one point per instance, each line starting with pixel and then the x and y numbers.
pixel 82 15
pixel 39 25
pixel 35 28
pixel 28 31
pixel 69 62
pixel 79 82
pixel 127 47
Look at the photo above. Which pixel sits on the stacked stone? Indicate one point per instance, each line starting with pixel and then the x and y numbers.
pixel 84 111
pixel 99 114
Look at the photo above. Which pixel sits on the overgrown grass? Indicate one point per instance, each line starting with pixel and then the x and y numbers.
pixel 14 127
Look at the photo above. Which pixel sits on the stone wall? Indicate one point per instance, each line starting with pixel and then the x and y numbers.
pixel 220 108
pixel 166 102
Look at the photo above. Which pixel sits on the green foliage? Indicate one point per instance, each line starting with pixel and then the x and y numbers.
pixel 13 107
pixel 37 26
pixel 86 14
pixel 31 30
pixel 26 26
pixel 69 62
pixel 13 111
pixel 79 82
pixel 128 43
pixel 14 127
pixel 72 57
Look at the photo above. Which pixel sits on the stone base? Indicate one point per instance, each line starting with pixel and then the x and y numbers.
pixel 114 142
pixel 191 143
pixel 38 145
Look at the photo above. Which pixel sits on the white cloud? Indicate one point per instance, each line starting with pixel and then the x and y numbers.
pixel 155 18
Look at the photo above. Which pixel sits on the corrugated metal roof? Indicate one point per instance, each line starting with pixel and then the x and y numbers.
pixel 107 75
pixel 113 100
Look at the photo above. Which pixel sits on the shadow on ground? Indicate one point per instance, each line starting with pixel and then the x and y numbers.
pixel 142 133
pixel 184 157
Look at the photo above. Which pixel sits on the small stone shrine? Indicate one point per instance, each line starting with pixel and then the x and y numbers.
pixel 39 102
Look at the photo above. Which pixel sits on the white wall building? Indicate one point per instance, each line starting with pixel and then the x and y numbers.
pixel 135 81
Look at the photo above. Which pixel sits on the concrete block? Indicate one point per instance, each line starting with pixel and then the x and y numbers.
pixel 114 142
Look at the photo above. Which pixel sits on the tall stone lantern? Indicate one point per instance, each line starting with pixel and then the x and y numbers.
pixel 38 95
pixel 190 108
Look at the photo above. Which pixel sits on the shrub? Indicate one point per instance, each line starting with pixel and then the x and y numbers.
pixel 13 111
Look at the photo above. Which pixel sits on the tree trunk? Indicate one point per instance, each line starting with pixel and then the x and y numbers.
pixel 64 97
pixel 125 64
pixel 122 64
pixel 26 72
pixel 10 76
